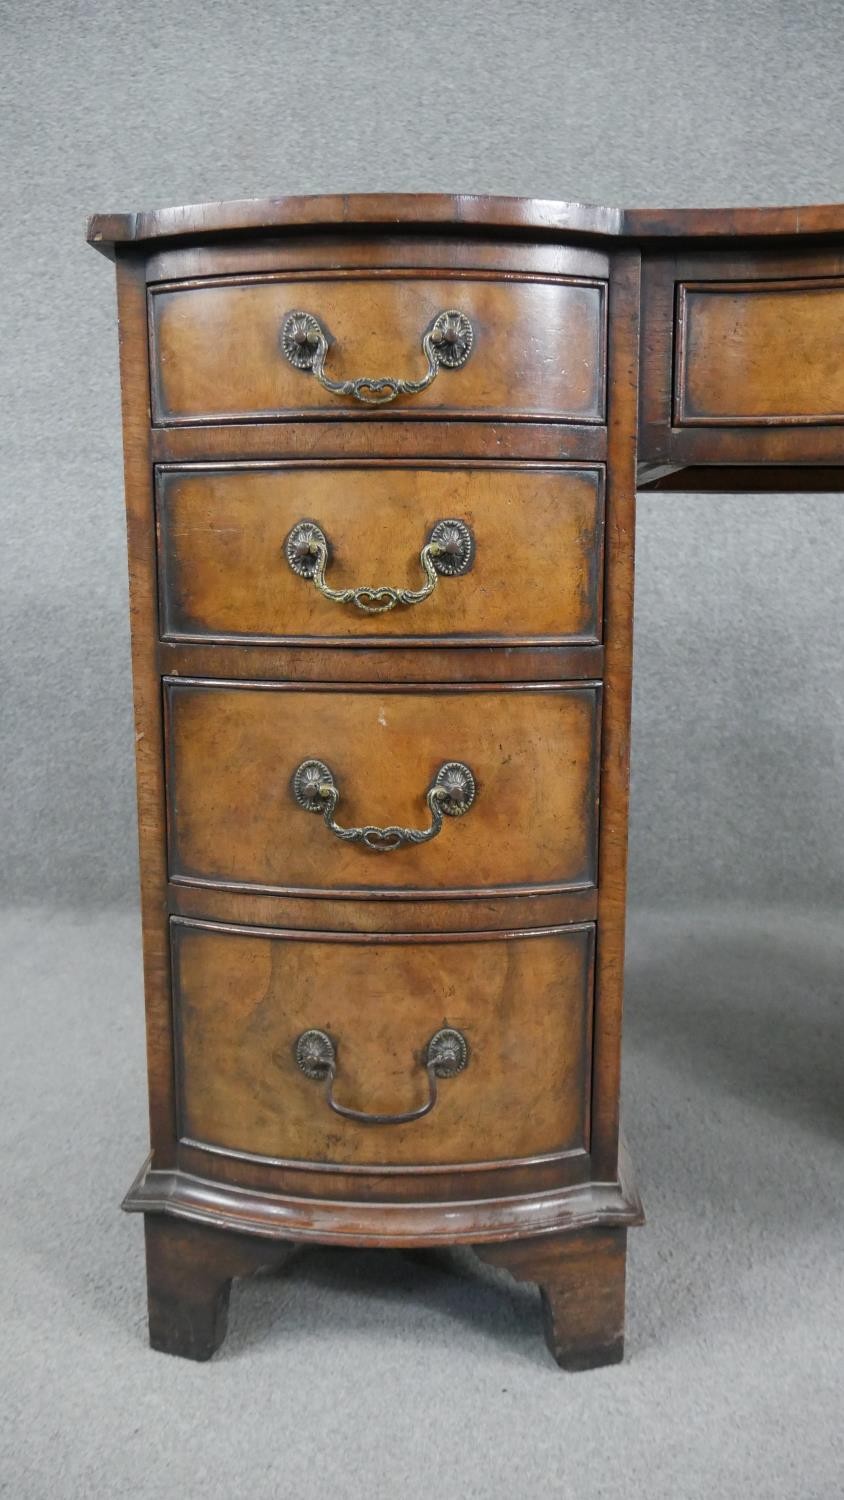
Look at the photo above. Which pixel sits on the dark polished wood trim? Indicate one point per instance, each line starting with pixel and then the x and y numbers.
pixel 433 665
pixel 134 372
pixel 581 1278
pixel 552 442
pixel 740 447
pixel 427 688
pixel 379 273
pixel 376 1186
pixel 741 479
pixel 384 914
pixel 804 222
pixel 343 1222
pixel 615 716
pixel 190 1268
pixel 302 936
pixel 367 210
pixel 377 642
pixel 537 216
pixel 380 1169
pixel 386 894
pixel 343 461
pixel 316 250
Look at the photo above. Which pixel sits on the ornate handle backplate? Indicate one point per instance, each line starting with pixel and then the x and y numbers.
pixel 448 553
pixel 446 1055
pixel 446 345
pixel 451 793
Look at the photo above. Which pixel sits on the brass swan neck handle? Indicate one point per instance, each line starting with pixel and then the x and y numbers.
pixel 448 553
pixel 446 1055
pixel 446 344
pixel 450 794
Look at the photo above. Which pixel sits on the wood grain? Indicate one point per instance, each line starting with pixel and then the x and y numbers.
pixel 382 211
pixel 380 438
pixel 401 911
pixel 190 1269
pixel 233 749
pixel 539 346
pixel 617 697
pixel 582 1281
pixel 277 925
pixel 539 217
pixel 523 1003
pixel 149 763
pixel 766 373
pixel 316 251
pixel 233 1205
pixel 760 352
pixel 423 661
pixel 537 571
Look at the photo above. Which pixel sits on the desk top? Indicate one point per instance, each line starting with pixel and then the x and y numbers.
pixel 538 216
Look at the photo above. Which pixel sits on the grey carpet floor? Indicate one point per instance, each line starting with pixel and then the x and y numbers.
pixel 373 1375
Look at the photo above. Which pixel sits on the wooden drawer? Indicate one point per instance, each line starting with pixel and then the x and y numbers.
pixel 233 749
pixel 759 353
pixel 742 365
pixel 535 573
pixel 522 1002
pixel 538 346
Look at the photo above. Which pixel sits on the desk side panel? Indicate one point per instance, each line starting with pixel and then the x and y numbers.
pixel 149 753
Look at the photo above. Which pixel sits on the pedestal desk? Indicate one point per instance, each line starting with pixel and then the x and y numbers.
pixel 381 459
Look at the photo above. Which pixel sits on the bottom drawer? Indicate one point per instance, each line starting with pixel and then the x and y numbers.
pixel 521 1003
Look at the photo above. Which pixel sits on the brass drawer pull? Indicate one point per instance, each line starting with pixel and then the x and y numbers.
pixel 446 344
pixel 446 1055
pixel 448 553
pixel 452 793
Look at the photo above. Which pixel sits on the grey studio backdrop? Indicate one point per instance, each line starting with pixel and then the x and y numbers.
pixel 739 623
pixel 738 725
pixel 733 1040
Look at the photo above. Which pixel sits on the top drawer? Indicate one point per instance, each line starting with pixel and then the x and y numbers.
pixel 741 365
pixel 223 349
pixel 759 353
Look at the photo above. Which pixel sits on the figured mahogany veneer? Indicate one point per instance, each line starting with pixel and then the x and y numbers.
pixel 216 352
pixel 233 749
pixel 759 353
pixel 243 996
pixel 505 932
pixel 536 574
pixel 742 363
